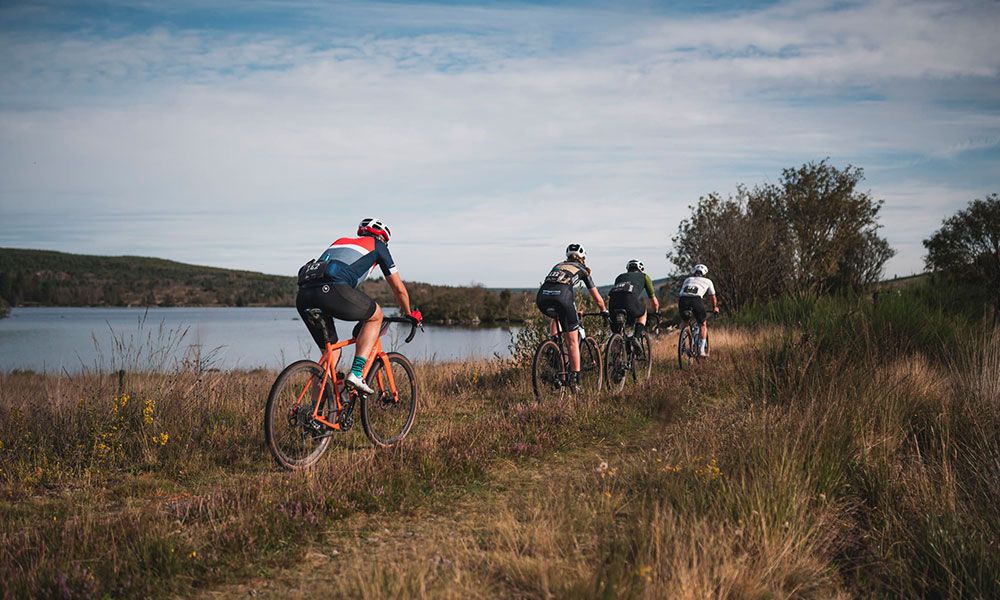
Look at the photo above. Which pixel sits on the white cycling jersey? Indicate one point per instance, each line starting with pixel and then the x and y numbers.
pixel 697 286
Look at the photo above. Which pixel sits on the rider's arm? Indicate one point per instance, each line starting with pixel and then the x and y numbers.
pixel 592 288
pixel 710 293
pixel 715 303
pixel 596 295
pixel 399 292
pixel 651 292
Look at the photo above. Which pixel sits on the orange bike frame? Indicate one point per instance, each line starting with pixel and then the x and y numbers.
pixel 326 362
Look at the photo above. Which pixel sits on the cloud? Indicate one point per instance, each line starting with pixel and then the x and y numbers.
pixel 488 136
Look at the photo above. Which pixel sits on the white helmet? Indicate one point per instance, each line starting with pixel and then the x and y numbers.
pixel 375 227
pixel 635 265
pixel 576 251
pixel 700 270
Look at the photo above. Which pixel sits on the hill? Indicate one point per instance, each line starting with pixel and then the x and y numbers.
pixel 48 278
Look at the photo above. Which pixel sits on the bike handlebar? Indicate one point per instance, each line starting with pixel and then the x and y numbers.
pixel 409 321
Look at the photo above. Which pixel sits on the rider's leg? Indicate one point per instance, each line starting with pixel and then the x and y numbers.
pixel 365 342
pixel 366 339
pixel 704 338
pixel 640 325
pixel 573 344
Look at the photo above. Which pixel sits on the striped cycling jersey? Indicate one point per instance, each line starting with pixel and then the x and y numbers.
pixel 352 260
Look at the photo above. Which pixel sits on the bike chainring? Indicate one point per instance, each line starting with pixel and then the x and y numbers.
pixel 346 418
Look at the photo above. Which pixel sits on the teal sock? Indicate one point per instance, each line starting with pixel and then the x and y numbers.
pixel 359 365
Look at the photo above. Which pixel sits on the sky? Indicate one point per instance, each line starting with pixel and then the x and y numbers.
pixel 251 133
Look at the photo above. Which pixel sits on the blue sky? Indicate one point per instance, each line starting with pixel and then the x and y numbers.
pixel 249 134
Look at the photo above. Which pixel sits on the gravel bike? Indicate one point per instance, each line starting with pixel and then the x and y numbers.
pixel 689 340
pixel 625 353
pixel 309 401
pixel 550 366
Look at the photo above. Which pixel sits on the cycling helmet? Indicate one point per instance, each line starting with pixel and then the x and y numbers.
pixel 576 251
pixel 635 265
pixel 700 270
pixel 375 227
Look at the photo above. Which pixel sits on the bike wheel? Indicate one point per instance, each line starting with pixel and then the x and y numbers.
pixel 387 418
pixel 591 366
pixel 685 350
pixel 643 360
pixel 294 442
pixel 547 369
pixel 615 361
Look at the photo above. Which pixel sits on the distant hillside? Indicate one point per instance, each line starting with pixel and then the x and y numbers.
pixel 42 277
pixel 46 278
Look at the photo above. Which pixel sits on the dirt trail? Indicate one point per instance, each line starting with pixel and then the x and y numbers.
pixel 441 549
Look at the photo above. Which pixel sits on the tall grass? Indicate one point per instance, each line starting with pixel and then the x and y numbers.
pixel 834 449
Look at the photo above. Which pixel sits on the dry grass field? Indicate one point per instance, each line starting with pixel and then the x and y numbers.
pixel 794 463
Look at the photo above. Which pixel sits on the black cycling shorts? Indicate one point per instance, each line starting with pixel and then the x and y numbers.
pixel 630 302
pixel 695 304
pixel 337 301
pixel 557 301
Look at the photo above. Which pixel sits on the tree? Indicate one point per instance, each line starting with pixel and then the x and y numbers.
pixel 968 245
pixel 741 242
pixel 832 228
pixel 813 232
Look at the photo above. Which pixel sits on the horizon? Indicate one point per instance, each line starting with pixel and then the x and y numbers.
pixel 487 135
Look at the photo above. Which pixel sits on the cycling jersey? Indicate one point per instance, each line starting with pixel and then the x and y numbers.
pixel 352 260
pixel 569 272
pixel 697 287
pixel 634 281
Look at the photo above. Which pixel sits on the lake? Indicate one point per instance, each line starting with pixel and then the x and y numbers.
pixel 53 339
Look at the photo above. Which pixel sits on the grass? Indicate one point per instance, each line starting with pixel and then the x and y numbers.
pixel 838 452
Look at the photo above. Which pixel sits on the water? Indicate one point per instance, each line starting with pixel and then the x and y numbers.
pixel 74 339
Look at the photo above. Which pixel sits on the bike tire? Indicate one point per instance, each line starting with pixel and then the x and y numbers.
pixel 644 363
pixel 615 359
pixel 292 445
pixel 591 366
pixel 684 347
pixel 547 369
pixel 385 419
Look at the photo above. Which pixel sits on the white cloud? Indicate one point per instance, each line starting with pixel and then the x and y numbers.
pixel 488 145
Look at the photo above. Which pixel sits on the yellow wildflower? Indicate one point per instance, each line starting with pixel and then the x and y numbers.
pixel 646 572
pixel 148 409
pixel 163 438
pixel 193 555
pixel 710 471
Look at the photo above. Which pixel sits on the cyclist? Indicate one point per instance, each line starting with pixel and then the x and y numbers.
pixel 626 294
pixel 330 283
pixel 693 291
pixel 556 300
